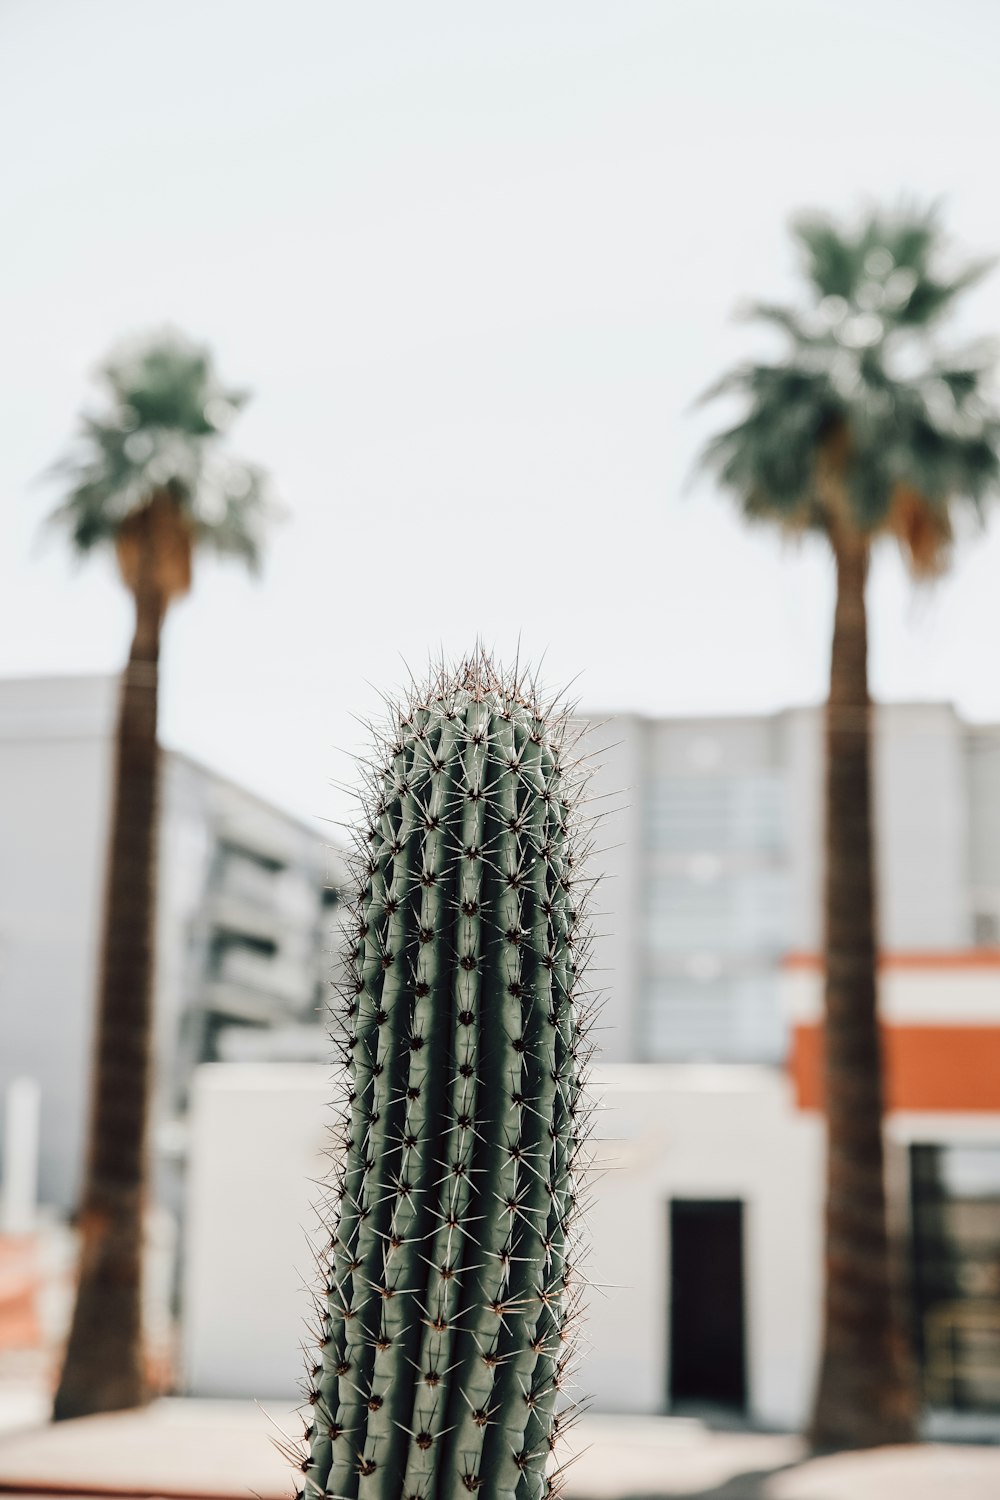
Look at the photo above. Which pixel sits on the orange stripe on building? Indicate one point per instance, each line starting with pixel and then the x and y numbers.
pixel 931 958
pixel 955 1068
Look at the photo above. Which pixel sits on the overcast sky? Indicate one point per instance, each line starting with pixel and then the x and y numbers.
pixel 476 261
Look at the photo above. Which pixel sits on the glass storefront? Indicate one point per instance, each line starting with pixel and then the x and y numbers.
pixel 955 1208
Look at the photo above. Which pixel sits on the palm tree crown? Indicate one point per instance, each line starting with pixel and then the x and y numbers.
pixel 160 437
pixel 864 398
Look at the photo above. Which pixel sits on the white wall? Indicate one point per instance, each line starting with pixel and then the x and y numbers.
pixel 257 1134
pixel 617 789
pixel 54 788
pixel 964 994
pixel 692 1131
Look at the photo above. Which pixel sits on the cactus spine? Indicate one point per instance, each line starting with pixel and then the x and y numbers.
pixel 449 1293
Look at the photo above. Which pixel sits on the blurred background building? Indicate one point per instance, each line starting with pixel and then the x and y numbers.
pixel 247 899
pixel 710 940
pixel 714 867
pixel 709 1141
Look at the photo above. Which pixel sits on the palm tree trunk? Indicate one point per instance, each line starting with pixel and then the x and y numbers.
pixel 104 1368
pixel 865 1394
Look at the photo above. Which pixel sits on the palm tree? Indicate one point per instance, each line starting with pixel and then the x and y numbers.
pixel 148 479
pixel 864 429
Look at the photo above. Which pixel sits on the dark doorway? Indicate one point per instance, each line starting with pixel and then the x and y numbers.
pixel 707 1353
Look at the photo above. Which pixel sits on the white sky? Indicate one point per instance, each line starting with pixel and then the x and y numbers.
pixel 475 261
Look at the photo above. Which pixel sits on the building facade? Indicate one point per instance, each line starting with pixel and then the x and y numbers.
pixel 710 945
pixel 707 1204
pixel 712 853
pixel 246 904
pixel 705 1228
pixel 706 1221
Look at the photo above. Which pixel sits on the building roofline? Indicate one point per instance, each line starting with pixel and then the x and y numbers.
pixel 600 716
pixel 19 677
pixel 109 681
pixel 262 801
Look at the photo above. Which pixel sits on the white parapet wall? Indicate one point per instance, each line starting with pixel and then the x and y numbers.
pixel 258 1133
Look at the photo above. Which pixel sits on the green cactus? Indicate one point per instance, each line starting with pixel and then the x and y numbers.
pixel 449 1291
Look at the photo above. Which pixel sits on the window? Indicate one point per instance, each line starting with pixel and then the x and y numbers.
pixel 986 929
pixel 725 1018
pixel 737 911
pixel 247 875
pixel 716 916
pixel 955 1207
pixel 232 956
pixel 689 813
pixel 241 854
pixel 226 941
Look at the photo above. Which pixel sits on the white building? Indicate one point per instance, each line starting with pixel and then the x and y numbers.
pixel 707 1214
pixel 243 922
pixel 708 1200
pixel 706 1233
pixel 714 865
pixel 711 955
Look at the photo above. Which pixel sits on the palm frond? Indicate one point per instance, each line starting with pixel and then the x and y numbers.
pixel 787 319
pixel 933 296
pixel 831 261
pixel 161 432
pixel 913 422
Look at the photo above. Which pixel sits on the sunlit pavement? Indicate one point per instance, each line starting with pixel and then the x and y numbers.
pixel 26 1377
pixel 214 1449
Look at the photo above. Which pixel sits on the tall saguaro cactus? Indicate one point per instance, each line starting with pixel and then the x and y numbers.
pixel 450 1290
